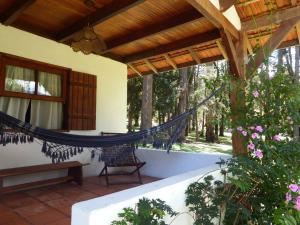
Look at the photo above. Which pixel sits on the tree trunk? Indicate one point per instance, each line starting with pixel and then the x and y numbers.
pixel 182 105
pixel 296 79
pixel 146 117
pixel 129 121
pixel 210 129
pixel 222 126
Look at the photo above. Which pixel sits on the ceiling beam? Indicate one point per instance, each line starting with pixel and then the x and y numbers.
pixel 99 16
pixel 226 4
pixel 248 43
pixel 170 61
pixel 267 20
pixel 177 45
pixel 293 2
pixel 154 29
pixel 208 10
pixel 15 11
pixel 134 69
pixel 272 44
pixel 231 52
pixel 298 31
pixel 182 65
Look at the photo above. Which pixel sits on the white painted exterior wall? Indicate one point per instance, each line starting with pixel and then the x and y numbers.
pixel 111 93
pixel 105 209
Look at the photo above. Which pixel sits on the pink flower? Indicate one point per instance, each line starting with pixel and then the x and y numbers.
pixel 288 197
pixel 251 146
pixel 252 128
pixel 259 154
pixel 255 94
pixel 297 203
pixel 254 135
pixel 229 130
pixel 276 138
pixel 244 133
pixel 239 128
pixel 293 187
pixel 259 129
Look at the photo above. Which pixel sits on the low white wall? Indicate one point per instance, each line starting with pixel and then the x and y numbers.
pixel 105 209
pixel 161 164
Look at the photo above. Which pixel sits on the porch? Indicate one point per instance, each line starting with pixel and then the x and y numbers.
pixel 52 205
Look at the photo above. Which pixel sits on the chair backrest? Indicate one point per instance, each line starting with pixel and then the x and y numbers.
pixel 118 155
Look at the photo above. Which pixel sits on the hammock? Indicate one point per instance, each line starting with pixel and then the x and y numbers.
pixel 62 146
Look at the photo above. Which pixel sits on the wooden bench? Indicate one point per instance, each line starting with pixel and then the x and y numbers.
pixel 74 174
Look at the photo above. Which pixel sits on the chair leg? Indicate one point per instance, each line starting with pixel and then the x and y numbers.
pixel 101 173
pixel 139 175
pixel 106 176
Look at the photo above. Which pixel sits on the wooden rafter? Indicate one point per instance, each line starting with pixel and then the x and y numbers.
pixel 293 2
pixel 272 44
pixel 154 29
pixel 275 18
pixel 221 48
pixel 134 69
pixel 298 31
pixel 226 4
pixel 151 66
pixel 170 61
pixel 177 45
pixel 194 55
pixel 15 11
pixel 208 10
pixel 99 16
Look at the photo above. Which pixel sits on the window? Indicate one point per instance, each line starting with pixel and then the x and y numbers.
pixel 33 92
pixel 47 96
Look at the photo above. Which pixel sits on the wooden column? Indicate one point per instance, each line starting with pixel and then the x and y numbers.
pixel 237 56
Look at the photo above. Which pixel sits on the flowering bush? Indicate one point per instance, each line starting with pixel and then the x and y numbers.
pixel 262 187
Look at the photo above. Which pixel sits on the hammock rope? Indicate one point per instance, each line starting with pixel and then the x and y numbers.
pixel 62 146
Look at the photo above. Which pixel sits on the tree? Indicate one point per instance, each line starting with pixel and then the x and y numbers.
pixel 146 116
pixel 134 100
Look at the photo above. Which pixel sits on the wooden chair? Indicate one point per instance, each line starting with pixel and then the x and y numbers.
pixel 118 157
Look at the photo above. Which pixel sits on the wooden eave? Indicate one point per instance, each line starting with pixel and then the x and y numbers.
pixel 153 35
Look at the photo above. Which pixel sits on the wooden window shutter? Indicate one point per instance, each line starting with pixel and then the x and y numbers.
pixel 82 101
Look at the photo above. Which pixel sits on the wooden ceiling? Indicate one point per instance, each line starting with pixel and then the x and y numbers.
pixel 150 36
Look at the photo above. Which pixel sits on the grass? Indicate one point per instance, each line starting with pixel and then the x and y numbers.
pixel 190 145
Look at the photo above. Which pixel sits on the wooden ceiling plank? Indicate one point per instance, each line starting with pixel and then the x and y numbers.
pixel 134 69
pixel 99 16
pixel 170 61
pixel 151 66
pixel 194 55
pixel 15 11
pixel 208 10
pixel 154 29
pixel 221 48
pixel 272 44
pixel 177 45
pixel 293 2
pixel 276 18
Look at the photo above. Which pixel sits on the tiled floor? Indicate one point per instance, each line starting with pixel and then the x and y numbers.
pixel 52 205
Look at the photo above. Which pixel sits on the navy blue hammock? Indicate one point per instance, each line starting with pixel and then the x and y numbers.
pixel 62 146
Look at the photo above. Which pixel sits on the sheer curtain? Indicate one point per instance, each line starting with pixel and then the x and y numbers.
pixel 15 107
pixel 46 114
pixel 49 84
pixel 19 79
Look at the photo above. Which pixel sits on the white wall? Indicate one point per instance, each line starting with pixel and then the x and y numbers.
pixel 161 164
pixel 105 209
pixel 111 89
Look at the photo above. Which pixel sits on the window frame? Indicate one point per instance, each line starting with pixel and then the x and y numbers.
pixel 6 59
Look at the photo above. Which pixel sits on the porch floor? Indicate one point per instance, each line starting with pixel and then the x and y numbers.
pixel 52 205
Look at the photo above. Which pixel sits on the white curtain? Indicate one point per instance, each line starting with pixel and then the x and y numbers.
pixel 49 84
pixel 46 114
pixel 19 79
pixel 15 107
